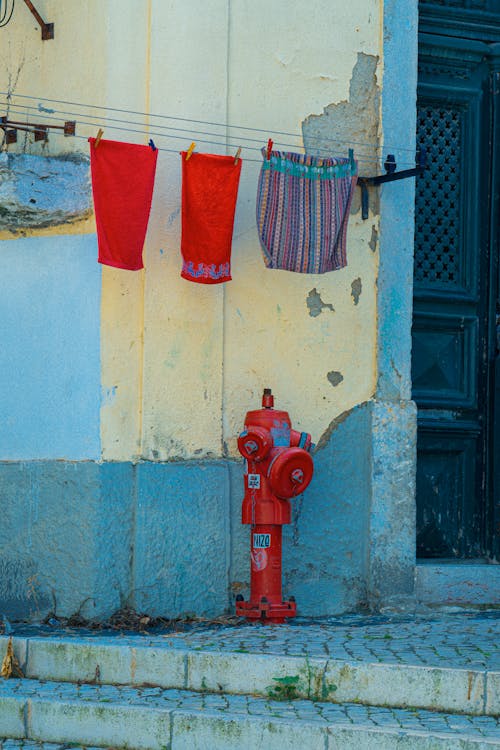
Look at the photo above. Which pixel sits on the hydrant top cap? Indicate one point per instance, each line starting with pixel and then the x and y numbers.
pixel 267 399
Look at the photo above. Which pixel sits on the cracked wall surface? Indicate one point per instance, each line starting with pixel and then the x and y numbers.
pixel 43 191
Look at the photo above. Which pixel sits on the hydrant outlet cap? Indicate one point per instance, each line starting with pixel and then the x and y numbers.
pixel 255 443
pixel 291 472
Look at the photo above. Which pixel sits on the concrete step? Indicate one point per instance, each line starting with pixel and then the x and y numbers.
pixel 149 718
pixel 389 664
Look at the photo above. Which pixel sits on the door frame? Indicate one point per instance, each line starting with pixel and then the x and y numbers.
pixel 453 53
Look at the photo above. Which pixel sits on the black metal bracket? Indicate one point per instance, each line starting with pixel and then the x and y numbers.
pixel 47 28
pixel 390 176
pixel 40 132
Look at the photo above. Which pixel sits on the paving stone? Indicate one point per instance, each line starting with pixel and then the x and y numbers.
pixel 141 718
pixel 158 666
pixel 445 662
pixel 228 733
pixel 79 659
pixel 403 685
pixel 252 673
pixel 99 723
pixel 493 693
pixel 11 717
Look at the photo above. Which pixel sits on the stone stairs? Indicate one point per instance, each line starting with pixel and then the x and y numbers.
pixel 374 683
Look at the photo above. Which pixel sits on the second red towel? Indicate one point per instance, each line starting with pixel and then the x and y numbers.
pixel 209 193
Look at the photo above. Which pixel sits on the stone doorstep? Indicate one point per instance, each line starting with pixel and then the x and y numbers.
pixel 107 661
pixel 155 719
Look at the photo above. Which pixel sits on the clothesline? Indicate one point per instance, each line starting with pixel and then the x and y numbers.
pixel 149 133
pixel 269 132
pixel 176 131
pixel 159 148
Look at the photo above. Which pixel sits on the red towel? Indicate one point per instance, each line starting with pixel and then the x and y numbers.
pixel 122 183
pixel 209 193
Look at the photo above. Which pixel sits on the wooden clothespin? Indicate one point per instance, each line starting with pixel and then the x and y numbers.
pixel 190 150
pixel 269 148
pixel 98 137
pixel 237 155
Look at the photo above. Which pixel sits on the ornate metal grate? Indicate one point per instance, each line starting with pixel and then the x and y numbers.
pixel 437 201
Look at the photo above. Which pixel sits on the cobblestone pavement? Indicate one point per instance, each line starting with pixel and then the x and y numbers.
pixel 317 713
pixel 449 641
pixel 460 640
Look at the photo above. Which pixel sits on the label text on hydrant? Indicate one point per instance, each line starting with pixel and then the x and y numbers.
pixel 254 481
pixel 261 541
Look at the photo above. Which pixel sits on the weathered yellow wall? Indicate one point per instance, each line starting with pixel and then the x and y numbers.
pixel 182 362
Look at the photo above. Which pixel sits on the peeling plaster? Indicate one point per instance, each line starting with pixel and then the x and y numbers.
pixel 316 305
pixel 356 289
pixel 335 377
pixel 374 239
pixel 327 434
pixel 355 120
pixel 42 191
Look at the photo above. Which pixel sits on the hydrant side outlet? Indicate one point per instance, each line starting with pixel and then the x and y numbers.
pixel 278 467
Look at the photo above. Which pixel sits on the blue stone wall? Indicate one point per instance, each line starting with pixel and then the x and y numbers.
pixel 65 538
pixel 90 537
pixel 181 538
pixel 325 547
pixel 166 538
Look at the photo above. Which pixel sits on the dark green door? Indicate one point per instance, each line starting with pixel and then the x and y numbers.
pixel 454 361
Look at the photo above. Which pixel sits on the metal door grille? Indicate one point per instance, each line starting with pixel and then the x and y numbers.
pixel 437 205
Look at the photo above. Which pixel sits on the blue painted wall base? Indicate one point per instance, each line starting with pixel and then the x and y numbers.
pixel 166 538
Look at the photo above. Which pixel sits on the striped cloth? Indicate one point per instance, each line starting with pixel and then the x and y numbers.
pixel 303 207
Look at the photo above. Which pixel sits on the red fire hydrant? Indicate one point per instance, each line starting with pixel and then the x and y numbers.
pixel 278 467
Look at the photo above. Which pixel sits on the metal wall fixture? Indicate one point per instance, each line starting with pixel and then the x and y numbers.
pixel 7 9
pixel 40 132
pixel 47 28
pixel 390 176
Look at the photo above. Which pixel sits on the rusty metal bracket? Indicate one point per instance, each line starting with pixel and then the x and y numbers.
pixel 10 136
pixel 40 132
pixel 390 176
pixel 47 28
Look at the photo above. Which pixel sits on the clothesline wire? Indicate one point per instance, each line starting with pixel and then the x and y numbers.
pixel 224 143
pixel 20 108
pixel 176 151
pixel 159 148
pixel 266 131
